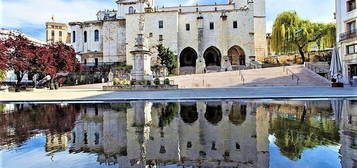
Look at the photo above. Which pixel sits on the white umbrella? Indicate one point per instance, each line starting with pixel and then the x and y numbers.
pixel 336 66
pixel 337 108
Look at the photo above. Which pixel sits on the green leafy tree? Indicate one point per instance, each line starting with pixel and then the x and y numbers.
pixel 292 34
pixel 167 59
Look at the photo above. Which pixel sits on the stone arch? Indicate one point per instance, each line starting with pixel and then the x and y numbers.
pixel 131 10
pixel 188 112
pixel 188 57
pixel 214 113
pixel 212 56
pixel 236 55
pixel 238 114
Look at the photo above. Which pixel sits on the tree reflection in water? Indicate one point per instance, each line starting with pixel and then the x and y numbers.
pixel 26 120
pixel 299 127
pixel 168 113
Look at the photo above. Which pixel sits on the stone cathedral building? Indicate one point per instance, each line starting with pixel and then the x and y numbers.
pixel 215 37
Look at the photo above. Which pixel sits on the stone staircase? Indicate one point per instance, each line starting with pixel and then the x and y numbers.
pixel 275 76
pixel 309 77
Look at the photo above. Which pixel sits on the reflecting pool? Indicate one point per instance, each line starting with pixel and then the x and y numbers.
pixel 222 133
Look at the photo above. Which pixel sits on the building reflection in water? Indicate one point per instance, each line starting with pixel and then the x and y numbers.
pixel 347 111
pixel 209 134
pixel 198 134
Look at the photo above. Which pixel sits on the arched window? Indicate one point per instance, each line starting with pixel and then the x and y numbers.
pixel 96 140
pixel 74 36
pixel 131 10
pixel 96 35
pixel 85 36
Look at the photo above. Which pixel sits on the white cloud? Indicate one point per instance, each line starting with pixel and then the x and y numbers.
pixel 33 13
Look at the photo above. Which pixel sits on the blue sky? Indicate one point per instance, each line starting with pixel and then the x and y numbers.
pixel 30 16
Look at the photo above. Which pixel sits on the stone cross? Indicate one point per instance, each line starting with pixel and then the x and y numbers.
pixel 141 23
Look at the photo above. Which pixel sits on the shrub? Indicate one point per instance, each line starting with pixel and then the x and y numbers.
pixel 167 81
pixel 148 82
pixel 157 81
pixel 116 81
pixel 126 82
pixel 142 83
pixel 133 82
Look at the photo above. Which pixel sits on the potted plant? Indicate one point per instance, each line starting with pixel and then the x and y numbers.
pixel 167 81
pixel 335 83
pixel 157 81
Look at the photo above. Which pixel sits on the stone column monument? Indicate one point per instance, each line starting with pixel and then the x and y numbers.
pixel 142 56
pixel 200 62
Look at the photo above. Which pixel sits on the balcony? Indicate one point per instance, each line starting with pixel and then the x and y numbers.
pixel 348 35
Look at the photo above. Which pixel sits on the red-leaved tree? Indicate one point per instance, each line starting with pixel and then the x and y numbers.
pixel 43 62
pixel 19 53
pixel 64 61
pixel 3 59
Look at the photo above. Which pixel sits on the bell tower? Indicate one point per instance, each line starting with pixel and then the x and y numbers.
pixel 133 6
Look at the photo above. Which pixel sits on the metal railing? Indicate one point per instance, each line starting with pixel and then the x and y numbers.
pixel 348 35
pixel 93 64
pixel 240 74
pixel 321 71
pixel 293 75
pixel 254 65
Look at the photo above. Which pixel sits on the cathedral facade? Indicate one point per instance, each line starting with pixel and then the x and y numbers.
pixel 217 37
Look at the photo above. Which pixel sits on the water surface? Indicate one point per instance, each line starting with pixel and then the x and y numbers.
pixel 180 134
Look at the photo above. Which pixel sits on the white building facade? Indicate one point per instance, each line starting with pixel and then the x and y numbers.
pixel 214 37
pixel 346 18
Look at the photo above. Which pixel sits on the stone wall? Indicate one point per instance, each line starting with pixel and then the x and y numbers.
pixel 114 39
pixel 152 32
pixel 177 38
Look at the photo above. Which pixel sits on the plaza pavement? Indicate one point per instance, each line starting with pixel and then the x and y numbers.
pixel 292 92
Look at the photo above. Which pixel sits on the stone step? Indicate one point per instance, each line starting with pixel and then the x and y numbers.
pixel 253 77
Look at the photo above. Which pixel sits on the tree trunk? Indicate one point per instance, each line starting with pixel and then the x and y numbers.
pixel 19 76
pixel 52 83
pixel 302 54
pixel 303 116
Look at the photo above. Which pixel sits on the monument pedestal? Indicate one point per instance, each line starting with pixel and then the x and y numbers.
pixel 226 65
pixel 141 69
pixel 142 61
pixel 200 66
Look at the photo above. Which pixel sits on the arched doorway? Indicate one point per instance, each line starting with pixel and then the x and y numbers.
pixel 188 59
pixel 188 112
pixel 238 114
pixel 236 56
pixel 212 57
pixel 214 113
